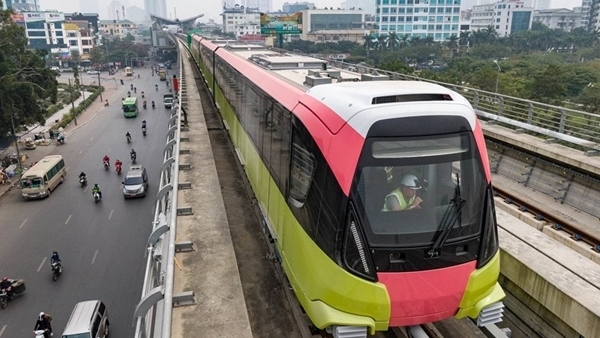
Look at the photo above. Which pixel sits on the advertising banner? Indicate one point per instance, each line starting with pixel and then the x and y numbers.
pixel 54 16
pixel 69 26
pixel 17 17
pixel 34 16
pixel 280 24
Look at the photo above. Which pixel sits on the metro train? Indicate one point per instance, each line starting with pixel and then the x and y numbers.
pixel 376 194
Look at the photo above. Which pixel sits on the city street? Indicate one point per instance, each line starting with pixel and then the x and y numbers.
pixel 101 245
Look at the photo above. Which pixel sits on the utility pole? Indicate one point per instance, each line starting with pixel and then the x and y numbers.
pixel 16 143
pixel 72 103
pixel 99 87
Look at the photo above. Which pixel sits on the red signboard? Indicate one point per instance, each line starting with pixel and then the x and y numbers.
pixel 175 84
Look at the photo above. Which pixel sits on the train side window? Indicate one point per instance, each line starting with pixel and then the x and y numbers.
pixel 301 171
pixel 280 145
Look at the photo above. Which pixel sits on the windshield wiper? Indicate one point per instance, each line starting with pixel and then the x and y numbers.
pixel 449 220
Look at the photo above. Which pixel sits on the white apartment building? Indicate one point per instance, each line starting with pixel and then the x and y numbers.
pixel 507 17
pixel 559 18
pixel 237 20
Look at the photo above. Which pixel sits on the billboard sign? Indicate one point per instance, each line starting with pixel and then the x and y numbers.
pixel 69 26
pixel 33 16
pixel 17 17
pixel 54 16
pixel 280 23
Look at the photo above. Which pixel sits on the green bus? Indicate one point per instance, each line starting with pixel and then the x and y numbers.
pixel 130 108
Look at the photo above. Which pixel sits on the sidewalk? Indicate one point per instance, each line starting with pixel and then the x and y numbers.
pixel 111 89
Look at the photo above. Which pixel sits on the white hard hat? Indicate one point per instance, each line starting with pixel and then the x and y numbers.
pixel 411 181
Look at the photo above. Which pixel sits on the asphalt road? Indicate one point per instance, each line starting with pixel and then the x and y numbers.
pixel 101 245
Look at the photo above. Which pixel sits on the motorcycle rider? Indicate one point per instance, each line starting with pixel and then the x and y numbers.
pixel 128 94
pixel 83 175
pixel 153 104
pixel 142 94
pixel 118 165
pixel 128 135
pixel 96 189
pixel 43 323
pixel 144 124
pixel 55 259
pixel 156 87
pixel 144 104
pixel 133 154
pixel 6 285
pixel 106 159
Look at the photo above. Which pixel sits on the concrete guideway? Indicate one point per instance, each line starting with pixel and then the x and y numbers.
pixel 564 282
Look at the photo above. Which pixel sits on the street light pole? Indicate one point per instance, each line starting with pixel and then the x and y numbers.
pixel 498 75
pixel 16 143
pixel 99 87
pixel 72 102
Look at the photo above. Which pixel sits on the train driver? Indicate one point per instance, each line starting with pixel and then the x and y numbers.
pixel 405 197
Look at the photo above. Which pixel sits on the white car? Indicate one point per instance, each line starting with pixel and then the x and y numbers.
pixel 92 72
pixel 55 68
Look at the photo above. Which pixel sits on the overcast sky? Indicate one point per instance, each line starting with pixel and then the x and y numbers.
pixel 212 8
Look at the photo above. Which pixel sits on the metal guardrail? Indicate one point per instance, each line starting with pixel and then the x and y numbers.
pixel 153 313
pixel 569 125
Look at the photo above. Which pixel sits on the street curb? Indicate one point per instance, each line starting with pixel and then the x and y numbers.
pixel 7 190
pixel 86 122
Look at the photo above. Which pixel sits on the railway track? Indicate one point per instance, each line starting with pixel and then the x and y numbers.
pixel 558 223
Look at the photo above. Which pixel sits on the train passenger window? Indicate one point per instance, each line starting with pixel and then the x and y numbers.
pixel 433 182
pixel 301 173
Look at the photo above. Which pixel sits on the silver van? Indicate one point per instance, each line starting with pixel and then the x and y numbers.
pixel 88 320
pixel 136 182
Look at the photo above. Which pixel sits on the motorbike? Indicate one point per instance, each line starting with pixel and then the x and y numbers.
pixel 153 105
pixel 39 333
pixel 143 95
pixel 118 169
pixel 17 287
pixel 83 181
pixel 128 138
pixel 106 165
pixel 96 197
pixel 60 140
pixel 144 131
pixel 122 81
pixel 133 158
pixel 144 105
pixel 106 103
pixel 56 270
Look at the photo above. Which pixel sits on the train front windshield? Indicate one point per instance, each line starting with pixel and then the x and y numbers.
pixel 411 189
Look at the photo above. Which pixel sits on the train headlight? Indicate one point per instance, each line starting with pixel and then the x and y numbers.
pixel 356 257
pixel 489 238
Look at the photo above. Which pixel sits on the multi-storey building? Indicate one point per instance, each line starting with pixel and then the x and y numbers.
pixel 239 19
pixel 559 18
pixel 325 25
pixel 80 36
pixel 156 7
pixel 433 18
pixel 44 30
pixel 117 29
pixel 92 18
pixel 507 17
pixel 589 14
pixel 89 6
pixel 297 6
pixel 262 5
pixel 22 5
pixel 367 5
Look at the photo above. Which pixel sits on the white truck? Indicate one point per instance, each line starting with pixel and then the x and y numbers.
pixel 168 101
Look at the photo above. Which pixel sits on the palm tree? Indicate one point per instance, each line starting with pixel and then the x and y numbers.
pixel 415 40
pixel 380 43
pixel 452 43
pixel 405 40
pixel 490 34
pixel 393 41
pixel 428 41
pixel 464 39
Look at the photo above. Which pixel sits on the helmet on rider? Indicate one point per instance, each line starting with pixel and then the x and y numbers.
pixel 95 185
pixel 4 279
pixel 54 253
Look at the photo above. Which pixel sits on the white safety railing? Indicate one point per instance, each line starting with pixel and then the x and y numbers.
pixel 154 311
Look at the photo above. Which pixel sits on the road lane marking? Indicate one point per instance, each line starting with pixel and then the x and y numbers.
pixel 84 190
pixel 91 138
pixel 42 264
pixel 68 219
pixel 95 254
pixel 2 331
pixel 81 151
pixel 110 216
pixel 25 221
